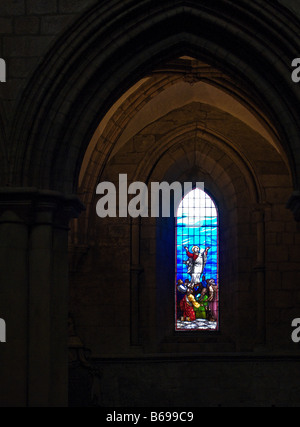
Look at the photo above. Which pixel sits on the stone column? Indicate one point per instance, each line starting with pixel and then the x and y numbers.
pixel 135 271
pixel 259 219
pixel 13 308
pixel 34 236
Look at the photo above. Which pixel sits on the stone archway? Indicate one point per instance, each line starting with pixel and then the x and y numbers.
pixel 110 49
pixel 64 120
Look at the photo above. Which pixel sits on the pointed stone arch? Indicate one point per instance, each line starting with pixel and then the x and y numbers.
pixel 109 49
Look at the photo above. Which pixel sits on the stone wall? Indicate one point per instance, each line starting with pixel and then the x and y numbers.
pixel 256 252
pixel 68 64
pixel 201 382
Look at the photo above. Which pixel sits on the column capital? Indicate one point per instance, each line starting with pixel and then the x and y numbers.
pixel 40 206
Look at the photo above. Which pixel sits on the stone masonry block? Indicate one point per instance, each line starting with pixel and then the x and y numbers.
pixel 41 7
pixel 5 25
pixel 27 25
pixel 54 24
pixel 12 7
pixel 26 46
pixel 71 6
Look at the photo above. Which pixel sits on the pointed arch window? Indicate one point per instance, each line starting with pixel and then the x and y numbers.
pixel 197 263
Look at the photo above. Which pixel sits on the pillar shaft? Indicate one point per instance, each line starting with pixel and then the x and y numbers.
pixel 34 249
pixel 260 276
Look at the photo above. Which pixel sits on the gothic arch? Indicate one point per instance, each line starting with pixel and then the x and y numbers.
pixel 116 45
pixel 175 164
pixel 186 134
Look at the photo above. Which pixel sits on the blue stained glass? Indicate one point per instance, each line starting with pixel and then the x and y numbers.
pixel 197 225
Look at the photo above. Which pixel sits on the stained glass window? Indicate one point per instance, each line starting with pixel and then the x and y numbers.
pixel 197 263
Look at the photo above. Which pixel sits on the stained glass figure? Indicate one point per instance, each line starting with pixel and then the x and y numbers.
pixel 197 263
